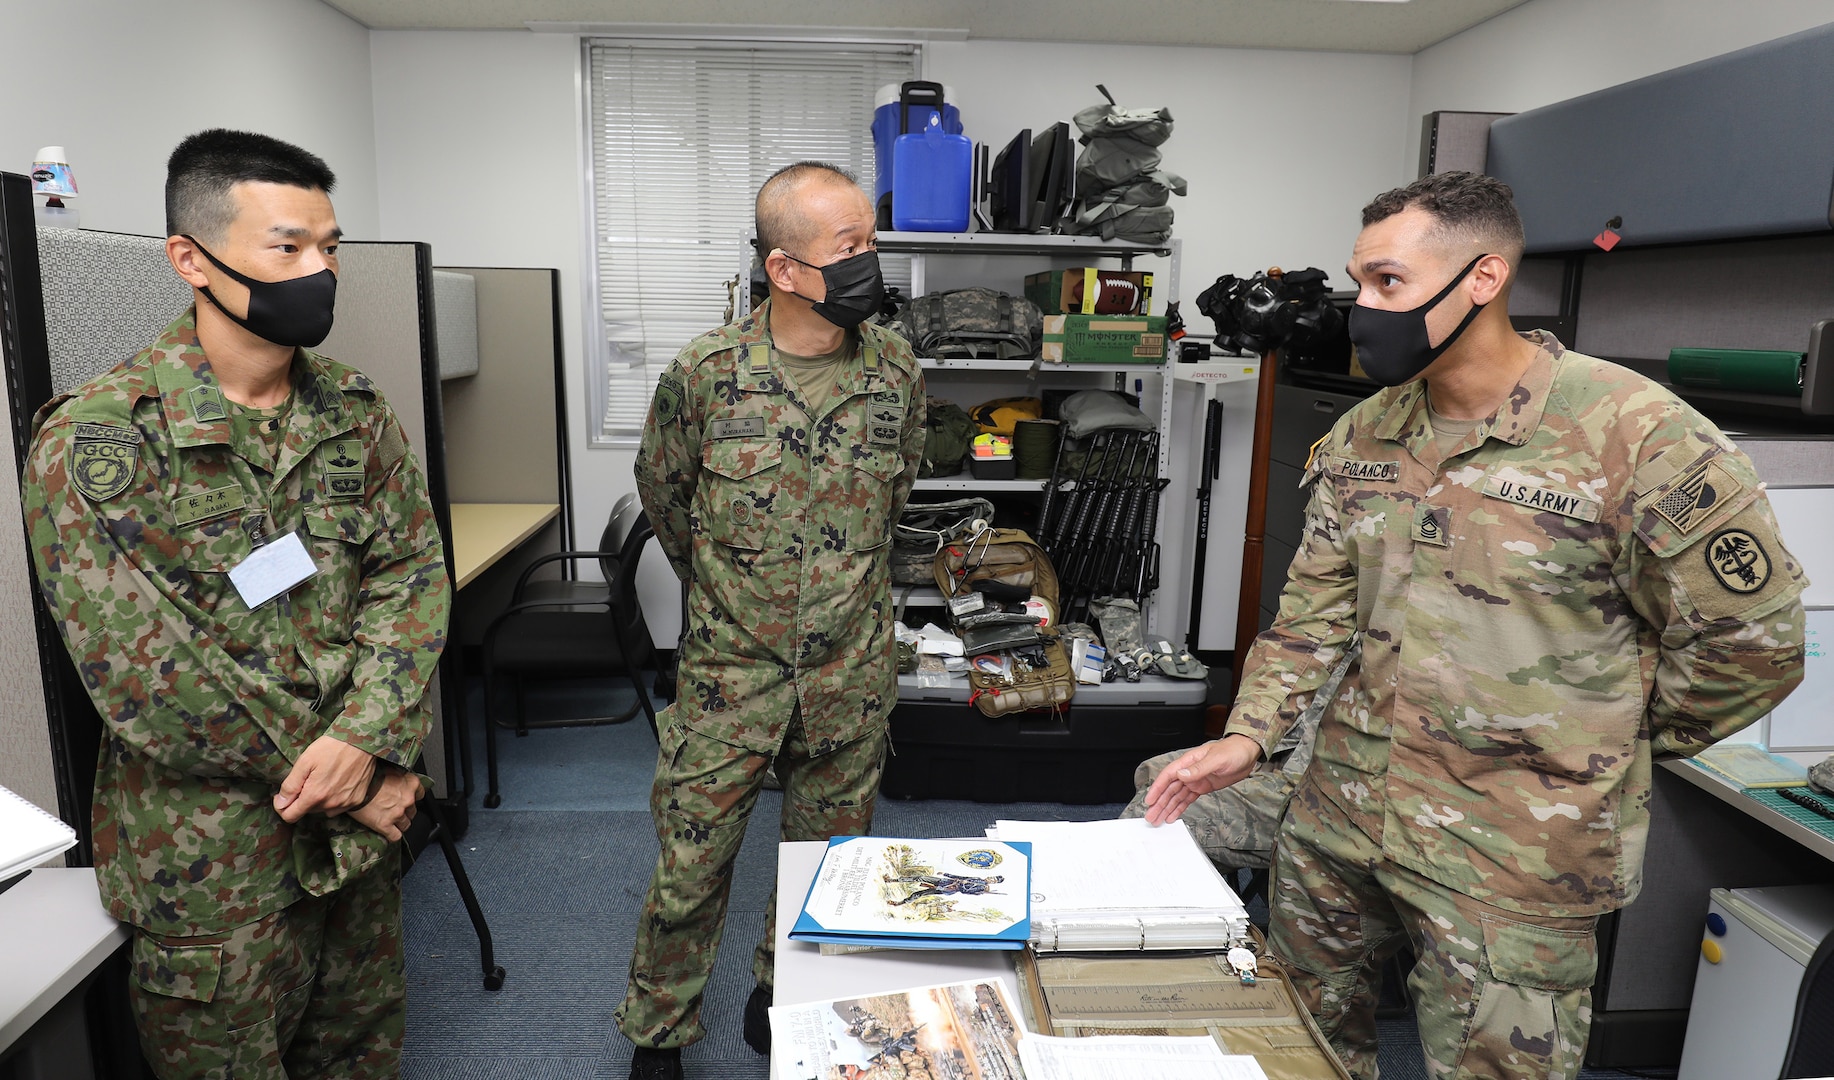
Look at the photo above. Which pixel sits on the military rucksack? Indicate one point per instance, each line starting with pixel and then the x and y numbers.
pixel 976 323
pixel 948 436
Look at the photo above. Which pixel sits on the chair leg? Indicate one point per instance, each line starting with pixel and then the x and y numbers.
pixel 493 798
pixel 487 954
pixel 643 699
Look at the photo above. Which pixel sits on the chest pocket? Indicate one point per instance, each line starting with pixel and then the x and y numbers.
pixel 741 493
pixel 869 510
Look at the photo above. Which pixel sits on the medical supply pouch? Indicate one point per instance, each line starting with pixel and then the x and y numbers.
pixel 1012 675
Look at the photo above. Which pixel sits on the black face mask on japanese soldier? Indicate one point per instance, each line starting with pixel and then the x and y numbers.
pixel 294 312
pixel 1392 346
pixel 856 289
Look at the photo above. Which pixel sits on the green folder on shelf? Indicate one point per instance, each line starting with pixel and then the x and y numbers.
pixel 1752 371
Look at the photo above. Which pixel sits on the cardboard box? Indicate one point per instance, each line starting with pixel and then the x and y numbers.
pixel 1104 339
pixel 1089 290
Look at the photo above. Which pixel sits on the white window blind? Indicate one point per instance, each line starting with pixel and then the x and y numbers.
pixel 682 137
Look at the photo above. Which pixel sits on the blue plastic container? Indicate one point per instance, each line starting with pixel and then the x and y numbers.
pixel 902 109
pixel 931 176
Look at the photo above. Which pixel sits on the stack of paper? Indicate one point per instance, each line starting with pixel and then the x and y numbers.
pixel 1124 884
pixel 919 894
pixel 28 835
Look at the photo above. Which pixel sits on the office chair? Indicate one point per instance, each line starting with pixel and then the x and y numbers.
pixel 572 629
pixel 1811 1035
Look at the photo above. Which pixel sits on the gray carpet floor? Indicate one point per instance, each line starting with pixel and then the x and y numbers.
pixel 560 870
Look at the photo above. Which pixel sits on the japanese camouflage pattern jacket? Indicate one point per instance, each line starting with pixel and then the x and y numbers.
pixel 781 524
pixel 1590 579
pixel 140 496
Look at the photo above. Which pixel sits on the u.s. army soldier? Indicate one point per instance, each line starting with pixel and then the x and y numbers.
pixel 777 455
pixel 1556 572
pixel 253 778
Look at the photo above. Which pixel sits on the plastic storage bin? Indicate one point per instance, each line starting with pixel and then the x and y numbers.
pixel 943 748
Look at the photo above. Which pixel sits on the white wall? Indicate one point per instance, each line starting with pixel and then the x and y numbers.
pixel 1549 50
pixel 119 83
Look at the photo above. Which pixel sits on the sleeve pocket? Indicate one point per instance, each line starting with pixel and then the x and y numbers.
pixel 351 524
pixel 186 972
pixel 1540 957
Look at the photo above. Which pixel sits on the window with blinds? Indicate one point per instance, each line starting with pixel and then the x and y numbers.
pixel 682 136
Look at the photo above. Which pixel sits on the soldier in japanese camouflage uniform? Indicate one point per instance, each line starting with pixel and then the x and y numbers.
pixel 776 457
pixel 1557 573
pixel 253 781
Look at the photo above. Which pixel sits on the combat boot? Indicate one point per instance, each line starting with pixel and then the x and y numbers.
pixel 651 1063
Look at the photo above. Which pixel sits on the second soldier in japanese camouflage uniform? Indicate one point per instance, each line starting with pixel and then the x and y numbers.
pixel 778 453
pixel 1556 573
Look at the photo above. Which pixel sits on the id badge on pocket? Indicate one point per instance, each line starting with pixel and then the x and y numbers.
pixel 272 569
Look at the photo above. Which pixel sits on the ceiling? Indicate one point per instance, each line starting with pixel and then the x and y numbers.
pixel 1397 26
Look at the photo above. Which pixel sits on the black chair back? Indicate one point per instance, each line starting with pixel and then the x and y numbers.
pixel 1811 1036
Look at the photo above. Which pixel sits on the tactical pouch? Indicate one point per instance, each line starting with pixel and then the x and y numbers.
pixel 1047 687
pixel 976 323
pixel 985 638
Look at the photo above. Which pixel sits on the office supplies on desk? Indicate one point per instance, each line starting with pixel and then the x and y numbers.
pixel 28 835
pixel 919 894
pixel 1801 815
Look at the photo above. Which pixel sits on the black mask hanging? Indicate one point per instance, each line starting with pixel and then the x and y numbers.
pixel 1392 346
pixel 294 312
pixel 856 289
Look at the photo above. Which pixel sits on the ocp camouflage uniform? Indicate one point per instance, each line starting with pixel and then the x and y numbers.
pixel 256 941
pixel 1588 579
pixel 780 522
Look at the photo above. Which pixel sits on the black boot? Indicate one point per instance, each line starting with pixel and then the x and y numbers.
pixel 650 1063
pixel 758 1020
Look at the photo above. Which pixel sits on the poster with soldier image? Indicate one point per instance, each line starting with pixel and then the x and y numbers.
pixel 920 894
pixel 960 1031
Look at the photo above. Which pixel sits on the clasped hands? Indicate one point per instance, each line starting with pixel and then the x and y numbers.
pixel 333 777
pixel 1210 767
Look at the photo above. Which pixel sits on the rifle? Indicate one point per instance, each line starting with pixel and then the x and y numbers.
pixel 1093 542
pixel 1126 520
pixel 1061 533
pixel 1213 440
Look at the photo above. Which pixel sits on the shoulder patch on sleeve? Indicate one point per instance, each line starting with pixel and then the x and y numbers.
pixel 1741 570
pixel 669 396
pixel 1692 501
pixel 103 460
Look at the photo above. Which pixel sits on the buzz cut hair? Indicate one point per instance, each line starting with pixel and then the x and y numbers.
pixel 780 224
pixel 1472 211
pixel 205 166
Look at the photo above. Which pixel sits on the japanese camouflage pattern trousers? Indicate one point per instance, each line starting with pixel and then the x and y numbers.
pixel 702 798
pixel 1497 994
pixel 314 990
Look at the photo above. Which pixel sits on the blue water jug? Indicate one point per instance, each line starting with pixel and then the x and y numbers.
pixel 901 109
pixel 931 176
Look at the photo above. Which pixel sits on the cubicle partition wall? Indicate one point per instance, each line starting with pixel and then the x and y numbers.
pixel 75 304
pixel 506 415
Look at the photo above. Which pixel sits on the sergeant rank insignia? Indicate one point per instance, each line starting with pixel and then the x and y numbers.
pixel 103 460
pixel 1738 560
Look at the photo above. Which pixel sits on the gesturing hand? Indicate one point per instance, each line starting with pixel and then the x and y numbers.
pixel 1210 767
pixel 331 777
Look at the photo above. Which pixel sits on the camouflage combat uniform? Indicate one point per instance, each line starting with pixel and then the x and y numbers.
pixel 1587 580
pixel 781 524
pixel 255 941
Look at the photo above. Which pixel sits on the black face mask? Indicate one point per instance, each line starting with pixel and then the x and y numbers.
pixel 294 312
pixel 856 289
pixel 1392 345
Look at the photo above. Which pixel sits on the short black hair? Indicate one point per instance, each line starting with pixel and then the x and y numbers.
pixel 206 165
pixel 1470 208
pixel 779 225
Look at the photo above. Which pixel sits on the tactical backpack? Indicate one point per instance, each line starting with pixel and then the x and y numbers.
pixel 948 437
pixel 1014 663
pixel 973 324
pixel 923 529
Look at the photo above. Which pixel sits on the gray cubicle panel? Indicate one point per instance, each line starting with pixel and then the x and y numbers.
pixel 506 422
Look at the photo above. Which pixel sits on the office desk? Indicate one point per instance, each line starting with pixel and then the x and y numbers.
pixel 1734 796
pixel 483 533
pixel 53 933
pixel 804 974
